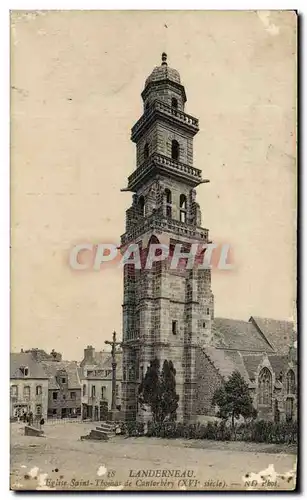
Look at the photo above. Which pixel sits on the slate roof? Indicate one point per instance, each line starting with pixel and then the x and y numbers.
pixel 280 334
pixel 279 364
pixel 51 368
pixel 103 361
pixel 238 335
pixel 18 359
pixel 242 345
pixel 251 363
pixel 163 73
pixel 226 362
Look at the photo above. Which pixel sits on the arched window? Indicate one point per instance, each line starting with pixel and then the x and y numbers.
pixel 265 387
pixel 168 199
pixel 174 103
pixel 289 409
pixel 38 390
pixel 183 208
pixel 93 391
pixel 175 150
pixel 290 382
pixel 276 412
pixel 146 151
pixel 141 205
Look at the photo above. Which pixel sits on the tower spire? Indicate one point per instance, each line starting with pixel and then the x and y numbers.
pixel 164 58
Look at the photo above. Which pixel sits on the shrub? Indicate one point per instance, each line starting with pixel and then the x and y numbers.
pixel 134 428
pixel 259 431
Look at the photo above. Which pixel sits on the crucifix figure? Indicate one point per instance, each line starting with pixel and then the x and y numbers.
pixel 113 352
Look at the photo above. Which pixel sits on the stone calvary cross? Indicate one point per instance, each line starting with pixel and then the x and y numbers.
pixel 113 343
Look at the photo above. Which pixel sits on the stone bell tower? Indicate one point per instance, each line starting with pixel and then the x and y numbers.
pixel 167 313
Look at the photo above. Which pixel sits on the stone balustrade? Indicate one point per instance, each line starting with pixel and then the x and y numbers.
pixel 164 108
pixel 165 224
pixel 164 161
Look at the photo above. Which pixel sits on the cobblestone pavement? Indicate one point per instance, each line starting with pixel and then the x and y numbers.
pixel 60 460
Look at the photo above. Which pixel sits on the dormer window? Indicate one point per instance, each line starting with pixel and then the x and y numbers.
pixel 24 370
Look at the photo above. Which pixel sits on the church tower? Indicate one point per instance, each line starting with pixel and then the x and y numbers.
pixel 167 313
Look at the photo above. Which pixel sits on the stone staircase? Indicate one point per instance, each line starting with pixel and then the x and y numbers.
pixel 33 431
pixel 103 432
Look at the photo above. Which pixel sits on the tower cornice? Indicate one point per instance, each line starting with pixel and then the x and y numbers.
pixel 161 164
pixel 164 112
pixel 165 224
pixel 166 84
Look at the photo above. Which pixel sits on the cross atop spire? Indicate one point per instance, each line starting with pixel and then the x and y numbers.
pixel 164 58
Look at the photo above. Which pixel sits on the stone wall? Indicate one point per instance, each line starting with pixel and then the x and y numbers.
pixel 208 380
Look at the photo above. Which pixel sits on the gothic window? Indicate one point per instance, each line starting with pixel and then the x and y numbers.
pixel 276 412
pixel 175 150
pixel 174 103
pixel 265 387
pixel 146 151
pixel 141 205
pixel 168 196
pixel 289 409
pixel 26 392
pixel 84 390
pixel 38 390
pixel 183 208
pixel 290 382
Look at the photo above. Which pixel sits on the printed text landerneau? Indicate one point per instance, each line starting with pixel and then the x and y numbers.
pixel 161 473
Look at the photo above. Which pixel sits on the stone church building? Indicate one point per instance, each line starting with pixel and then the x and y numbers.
pixel 169 313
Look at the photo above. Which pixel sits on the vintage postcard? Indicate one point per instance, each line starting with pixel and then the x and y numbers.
pixel 153 250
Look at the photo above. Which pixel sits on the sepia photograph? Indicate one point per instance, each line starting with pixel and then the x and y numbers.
pixel 153 260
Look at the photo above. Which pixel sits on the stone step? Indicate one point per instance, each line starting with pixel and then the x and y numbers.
pixel 106 428
pixel 33 431
pixel 98 435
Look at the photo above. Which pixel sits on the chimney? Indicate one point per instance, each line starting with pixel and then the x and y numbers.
pixel 89 353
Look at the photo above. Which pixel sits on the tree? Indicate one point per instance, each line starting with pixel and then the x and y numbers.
pixel 158 391
pixel 169 397
pixel 233 399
